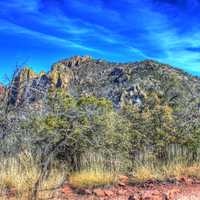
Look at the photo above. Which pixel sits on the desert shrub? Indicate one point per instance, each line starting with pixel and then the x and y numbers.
pixel 151 126
pixel 71 127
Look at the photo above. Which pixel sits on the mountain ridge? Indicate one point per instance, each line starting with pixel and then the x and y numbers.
pixel 76 60
pixel 122 83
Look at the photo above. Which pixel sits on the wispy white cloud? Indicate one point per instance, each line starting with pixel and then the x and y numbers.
pixel 64 43
pixel 113 29
pixel 25 6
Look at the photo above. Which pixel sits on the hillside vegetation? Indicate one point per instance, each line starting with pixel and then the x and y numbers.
pixel 90 121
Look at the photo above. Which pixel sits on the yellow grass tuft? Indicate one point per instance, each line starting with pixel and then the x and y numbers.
pixel 174 170
pixel 91 178
pixel 193 171
pixel 144 173
pixel 181 169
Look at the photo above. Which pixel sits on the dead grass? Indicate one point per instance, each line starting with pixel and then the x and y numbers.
pixel 174 170
pixel 21 174
pixel 193 171
pixel 91 178
pixel 147 172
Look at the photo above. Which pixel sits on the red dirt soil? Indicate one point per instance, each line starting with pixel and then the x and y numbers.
pixel 189 193
pixel 184 189
pixel 181 189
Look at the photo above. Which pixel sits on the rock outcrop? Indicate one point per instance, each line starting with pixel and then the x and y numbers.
pixel 128 83
pixel 2 90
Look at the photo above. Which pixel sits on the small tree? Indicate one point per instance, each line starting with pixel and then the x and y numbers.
pixel 83 124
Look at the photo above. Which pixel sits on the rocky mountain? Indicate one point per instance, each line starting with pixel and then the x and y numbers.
pixel 122 83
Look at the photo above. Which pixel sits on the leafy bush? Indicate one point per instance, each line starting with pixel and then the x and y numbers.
pixel 72 127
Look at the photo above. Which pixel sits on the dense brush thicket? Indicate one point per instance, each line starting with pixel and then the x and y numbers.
pixel 88 131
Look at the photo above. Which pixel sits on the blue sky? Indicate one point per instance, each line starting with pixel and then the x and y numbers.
pixel 40 32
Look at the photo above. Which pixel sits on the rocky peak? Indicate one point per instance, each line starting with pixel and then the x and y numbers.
pixel 71 62
pixel 26 74
pixel 2 89
pixel 61 73
pixel 42 73
pixel 22 80
pixel 76 60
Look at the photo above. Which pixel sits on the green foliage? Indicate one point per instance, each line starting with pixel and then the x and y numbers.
pixel 151 126
pixel 91 100
pixel 85 124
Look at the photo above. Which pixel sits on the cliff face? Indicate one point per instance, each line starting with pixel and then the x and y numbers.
pixel 2 90
pixel 21 84
pixel 121 83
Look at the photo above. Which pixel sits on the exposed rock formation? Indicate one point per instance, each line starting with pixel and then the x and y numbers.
pixel 2 90
pixel 121 83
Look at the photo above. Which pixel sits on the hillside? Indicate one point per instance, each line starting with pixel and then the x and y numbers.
pixel 137 84
pixel 88 121
pixel 120 83
pixel 145 87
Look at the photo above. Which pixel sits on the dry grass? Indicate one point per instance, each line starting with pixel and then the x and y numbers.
pixel 193 171
pixel 91 178
pixel 21 174
pixel 146 172
pixel 174 170
pixel 182 169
